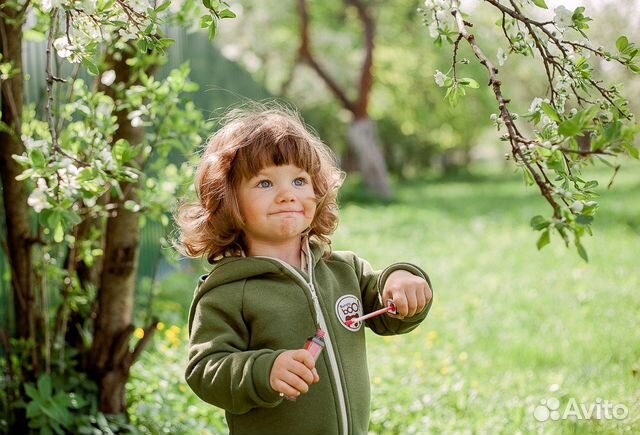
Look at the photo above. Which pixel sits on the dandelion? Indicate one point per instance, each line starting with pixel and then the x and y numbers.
pixel 160 326
pixel 139 333
pixel 377 380
pixel 432 335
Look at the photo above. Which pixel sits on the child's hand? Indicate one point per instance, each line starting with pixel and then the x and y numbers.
pixel 292 373
pixel 410 293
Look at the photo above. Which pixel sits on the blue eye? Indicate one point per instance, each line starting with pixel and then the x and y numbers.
pixel 300 181
pixel 264 183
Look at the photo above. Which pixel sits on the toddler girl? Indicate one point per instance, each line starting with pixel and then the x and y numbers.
pixel 266 206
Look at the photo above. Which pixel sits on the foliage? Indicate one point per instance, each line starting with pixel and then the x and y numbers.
pixel 77 168
pixel 161 401
pixel 580 120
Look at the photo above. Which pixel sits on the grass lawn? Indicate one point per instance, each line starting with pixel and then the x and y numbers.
pixel 511 326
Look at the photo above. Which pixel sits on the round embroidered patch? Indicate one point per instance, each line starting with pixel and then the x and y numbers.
pixel 349 307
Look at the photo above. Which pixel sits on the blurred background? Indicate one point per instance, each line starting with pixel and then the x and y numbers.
pixel 511 326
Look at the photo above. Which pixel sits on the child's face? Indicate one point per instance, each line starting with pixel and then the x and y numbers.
pixel 277 205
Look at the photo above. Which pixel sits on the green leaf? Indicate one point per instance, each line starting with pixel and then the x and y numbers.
pixel 544 239
pixel 540 4
pixel 37 158
pixel 539 223
pixel 212 30
pixel 34 35
pixel 584 219
pixel 469 82
pixel 44 386
pixel 163 6
pixel 142 45
pixel 58 233
pixel 92 68
pixel 227 13
pixel 570 127
pixel 550 111
pixel 207 3
pixel 205 21
pixel 120 150
pixel 581 250
pixel 634 68
pixel 622 43
pixel 32 392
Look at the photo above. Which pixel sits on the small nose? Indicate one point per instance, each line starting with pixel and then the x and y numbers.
pixel 285 195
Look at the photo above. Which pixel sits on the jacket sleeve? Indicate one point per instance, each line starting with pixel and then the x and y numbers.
pixel 220 369
pixel 371 286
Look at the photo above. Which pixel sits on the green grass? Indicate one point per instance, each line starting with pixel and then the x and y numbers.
pixel 510 326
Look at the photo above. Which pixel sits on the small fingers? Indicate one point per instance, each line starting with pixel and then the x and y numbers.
pixel 401 303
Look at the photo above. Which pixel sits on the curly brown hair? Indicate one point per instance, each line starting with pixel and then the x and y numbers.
pixel 250 139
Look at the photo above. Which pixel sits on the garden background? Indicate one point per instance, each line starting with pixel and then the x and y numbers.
pixel 513 328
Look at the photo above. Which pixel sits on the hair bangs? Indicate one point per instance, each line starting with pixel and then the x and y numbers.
pixel 275 151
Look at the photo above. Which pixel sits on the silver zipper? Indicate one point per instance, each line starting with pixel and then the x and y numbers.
pixel 329 344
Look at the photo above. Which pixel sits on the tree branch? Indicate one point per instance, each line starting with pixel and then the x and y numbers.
pixel 306 56
pixel 514 136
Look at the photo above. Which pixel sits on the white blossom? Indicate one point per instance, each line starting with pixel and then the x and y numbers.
pixel 433 29
pixel 535 105
pixel 562 19
pixel 108 77
pixel 577 206
pixel 105 160
pixel 137 121
pixel 38 198
pixel 47 5
pixel 502 56
pixel 440 78
pixel 32 144
pixel 63 47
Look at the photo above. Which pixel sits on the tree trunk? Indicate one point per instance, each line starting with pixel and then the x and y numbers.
pixel 364 140
pixel 110 356
pixel 18 232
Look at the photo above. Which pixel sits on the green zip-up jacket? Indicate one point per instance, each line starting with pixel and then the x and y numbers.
pixel 250 309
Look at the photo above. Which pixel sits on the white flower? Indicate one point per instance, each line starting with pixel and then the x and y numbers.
pixel 502 56
pixel 108 77
pixel 577 206
pixel 440 78
pixel 433 29
pixel 535 105
pixel 63 47
pixel 137 121
pixel 47 5
pixel 38 198
pixel 105 160
pixel 562 19
pixel 169 187
pixel 32 144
